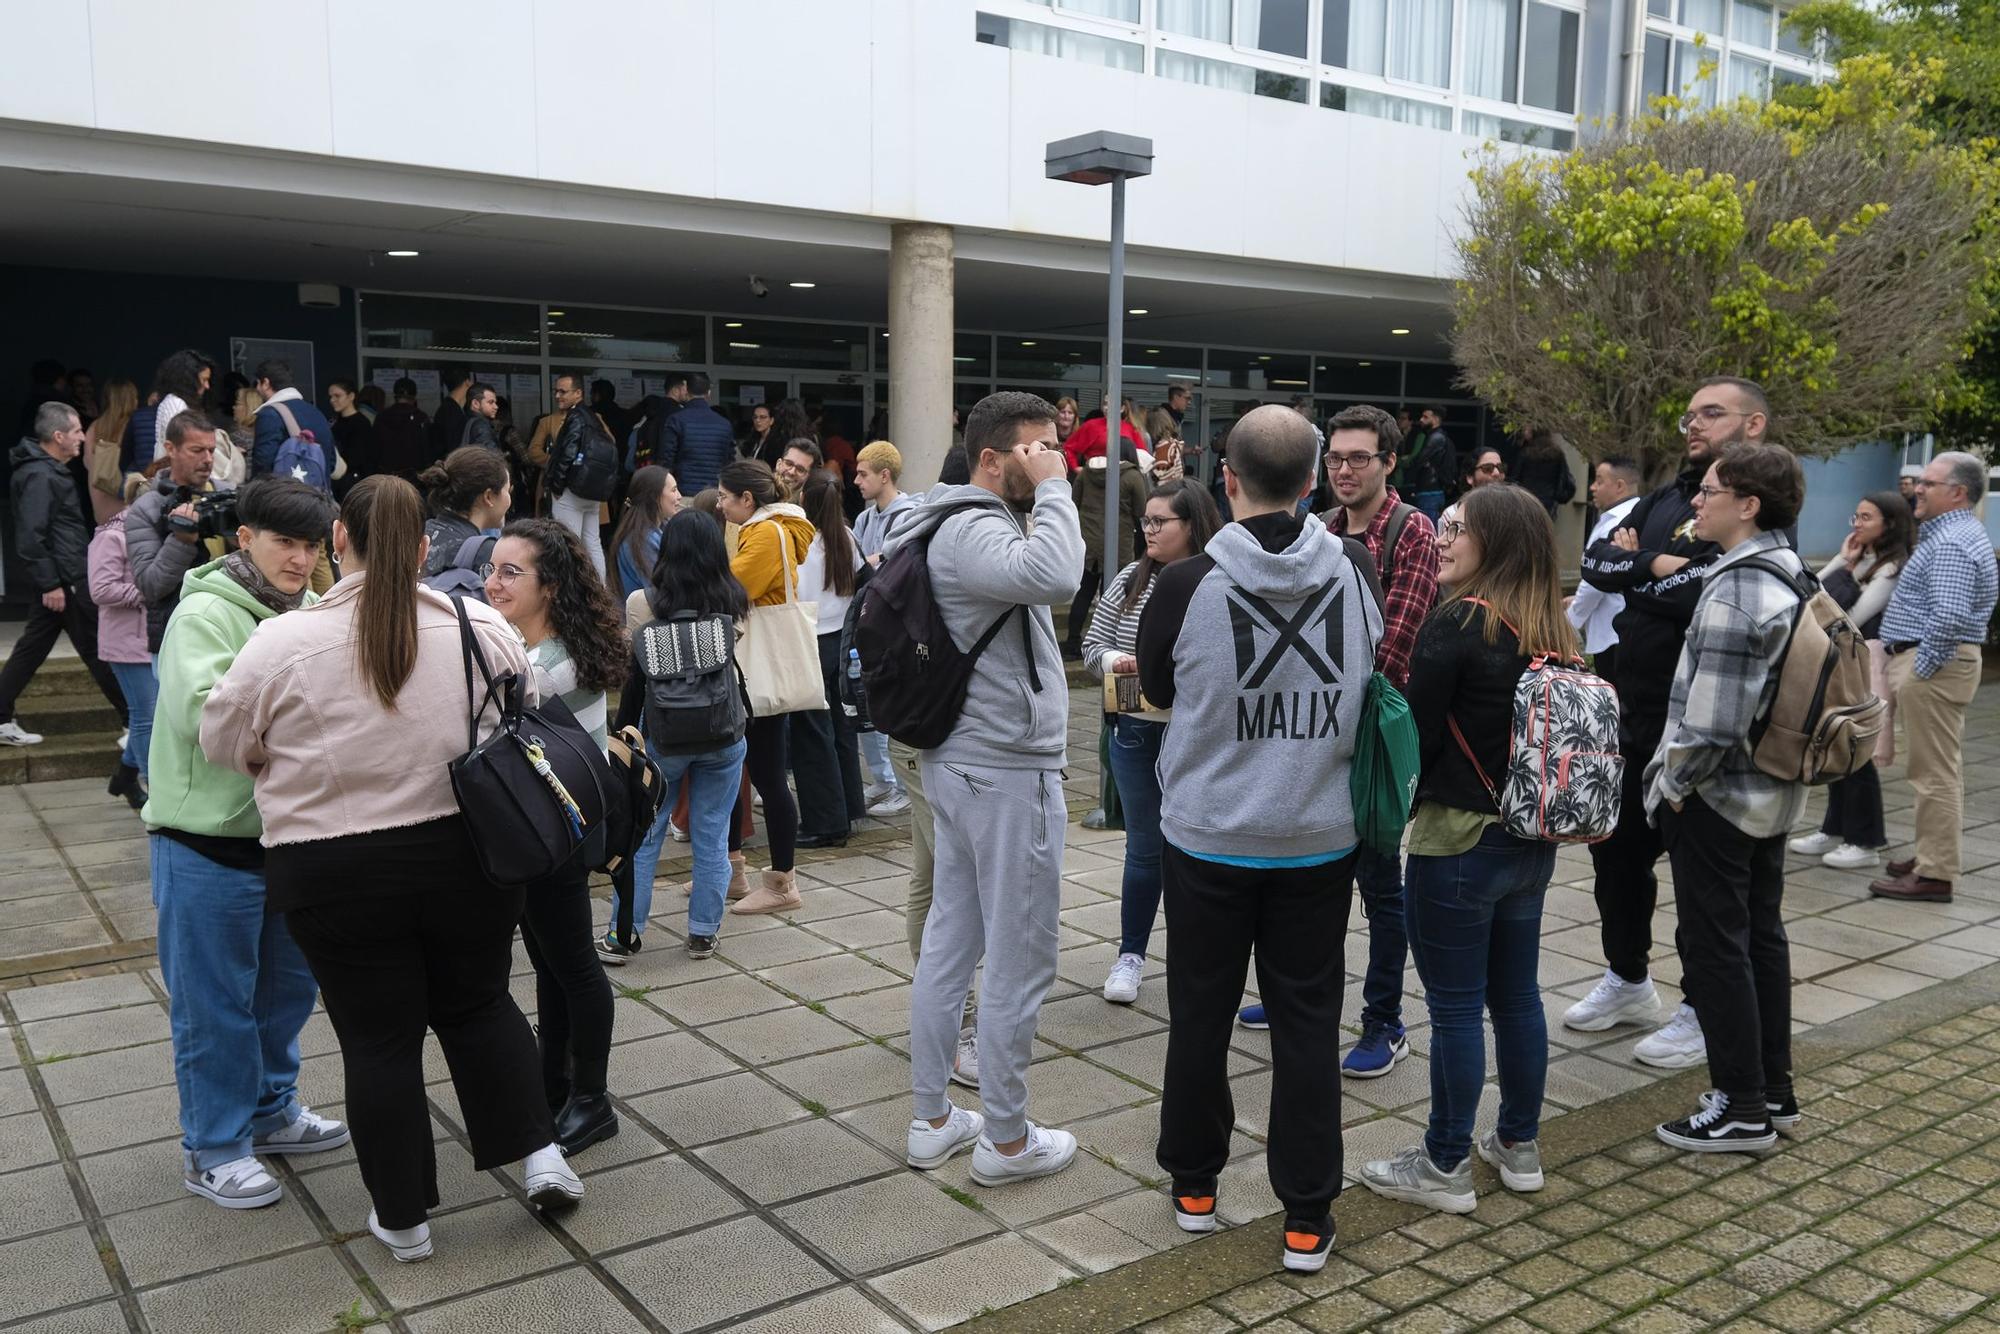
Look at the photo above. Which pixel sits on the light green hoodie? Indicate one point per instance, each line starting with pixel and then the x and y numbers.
pixel 210 626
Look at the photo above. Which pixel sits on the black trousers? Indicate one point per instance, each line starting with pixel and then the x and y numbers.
pixel 1296 919
pixel 765 759
pixel 1729 889
pixel 825 760
pixel 78 620
pixel 1854 809
pixel 1079 607
pixel 1626 888
pixel 433 951
pixel 572 994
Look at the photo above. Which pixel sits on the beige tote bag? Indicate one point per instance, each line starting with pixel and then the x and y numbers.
pixel 779 649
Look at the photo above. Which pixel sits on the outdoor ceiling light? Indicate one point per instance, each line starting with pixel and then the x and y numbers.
pixel 403 254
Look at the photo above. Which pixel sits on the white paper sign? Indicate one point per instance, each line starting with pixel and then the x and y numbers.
pixel 428 392
pixel 384 378
pixel 651 385
pixel 626 388
pixel 750 395
pixel 526 391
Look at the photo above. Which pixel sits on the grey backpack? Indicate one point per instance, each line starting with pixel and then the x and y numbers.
pixel 461 578
pixel 695 698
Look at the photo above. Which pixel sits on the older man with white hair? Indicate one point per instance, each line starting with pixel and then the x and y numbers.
pixel 1933 629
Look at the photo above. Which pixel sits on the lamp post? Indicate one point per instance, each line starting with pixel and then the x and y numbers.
pixel 1099 158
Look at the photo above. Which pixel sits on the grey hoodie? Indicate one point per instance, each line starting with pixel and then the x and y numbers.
pixel 984 564
pixel 1270 661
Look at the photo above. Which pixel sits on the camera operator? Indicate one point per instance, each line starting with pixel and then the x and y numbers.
pixel 163 537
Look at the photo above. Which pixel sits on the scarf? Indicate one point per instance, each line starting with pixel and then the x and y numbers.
pixel 238 566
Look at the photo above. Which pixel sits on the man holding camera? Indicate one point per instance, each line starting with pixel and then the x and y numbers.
pixel 162 537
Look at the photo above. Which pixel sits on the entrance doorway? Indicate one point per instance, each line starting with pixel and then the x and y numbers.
pixel 842 401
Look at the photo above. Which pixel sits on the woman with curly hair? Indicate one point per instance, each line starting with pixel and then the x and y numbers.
pixel 541 579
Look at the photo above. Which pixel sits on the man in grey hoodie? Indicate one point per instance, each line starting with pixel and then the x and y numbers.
pixel 995 787
pixel 1262 646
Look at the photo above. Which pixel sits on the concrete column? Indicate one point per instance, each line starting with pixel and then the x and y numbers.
pixel 920 342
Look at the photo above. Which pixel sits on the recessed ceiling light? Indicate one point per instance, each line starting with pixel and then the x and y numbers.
pixel 557 314
pixel 1265 357
pixel 733 324
pixel 803 284
pixel 1399 331
pixel 1152 352
pixel 1364 363
pixel 748 345
pixel 1027 342
pixel 1137 310
pixel 404 254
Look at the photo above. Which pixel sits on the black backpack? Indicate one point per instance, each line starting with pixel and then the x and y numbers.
pixel 643 791
pixel 695 699
pixel 914 676
pixel 590 466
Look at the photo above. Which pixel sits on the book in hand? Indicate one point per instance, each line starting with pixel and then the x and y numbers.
pixel 1122 695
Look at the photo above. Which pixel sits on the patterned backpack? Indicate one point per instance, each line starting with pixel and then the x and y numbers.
pixel 1564 772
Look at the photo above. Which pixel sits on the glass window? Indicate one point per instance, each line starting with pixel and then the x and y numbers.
pixel 1128 10
pixel 1702 16
pixel 1663 9
pixel 842 347
pixel 1749 23
pixel 1420 41
pixel 1693 83
pixel 1431 382
pixel 1383 107
pixel 1659 55
pixel 1221 74
pixel 1492 48
pixel 1229 369
pixel 1353 34
pixel 445 324
pixel 1782 78
pixel 1154 364
pixel 1070 360
pixel 578 333
pixel 1517 132
pixel 1378 379
pixel 971 354
pixel 1277 26
pixel 1206 19
pixel 1749 78
pixel 1042 39
pixel 1791 41
pixel 1548 79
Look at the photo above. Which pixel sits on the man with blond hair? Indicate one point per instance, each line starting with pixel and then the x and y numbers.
pixel 877 469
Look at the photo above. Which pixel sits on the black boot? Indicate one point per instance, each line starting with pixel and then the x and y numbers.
pixel 125 783
pixel 584 1120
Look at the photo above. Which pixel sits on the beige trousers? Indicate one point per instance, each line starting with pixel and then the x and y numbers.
pixel 1933 715
pixel 922 859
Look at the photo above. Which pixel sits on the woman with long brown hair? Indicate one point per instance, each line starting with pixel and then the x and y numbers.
pixel 102 447
pixel 826 757
pixel 1474 889
pixel 347 713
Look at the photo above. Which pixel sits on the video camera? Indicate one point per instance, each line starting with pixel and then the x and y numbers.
pixel 214 514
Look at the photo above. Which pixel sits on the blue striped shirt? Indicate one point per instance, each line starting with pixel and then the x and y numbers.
pixel 1946 593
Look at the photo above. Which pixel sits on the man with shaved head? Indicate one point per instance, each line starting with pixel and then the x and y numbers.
pixel 1258 829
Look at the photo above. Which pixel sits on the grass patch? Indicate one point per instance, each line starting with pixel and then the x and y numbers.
pixel 634 993
pixel 55 1056
pixel 962 1197
pixel 814 1106
pixel 1075 1282
pixel 816 1007
pixel 355 1318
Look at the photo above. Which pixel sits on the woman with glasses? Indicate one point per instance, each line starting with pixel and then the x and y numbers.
pixel 1087 491
pixel 468 495
pixel 1179 520
pixel 542 581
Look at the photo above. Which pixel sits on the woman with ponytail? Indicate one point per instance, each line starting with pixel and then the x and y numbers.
pixel 346 714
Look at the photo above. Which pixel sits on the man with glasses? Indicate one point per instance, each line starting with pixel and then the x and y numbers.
pixel 1658 565
pixel 1359 459
pixel 1936 621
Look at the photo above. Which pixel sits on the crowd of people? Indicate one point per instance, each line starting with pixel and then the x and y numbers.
pixel 290 644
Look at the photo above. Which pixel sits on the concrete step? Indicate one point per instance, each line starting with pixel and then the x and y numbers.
pixel 60 676
pixel 68 714
pixel 83 755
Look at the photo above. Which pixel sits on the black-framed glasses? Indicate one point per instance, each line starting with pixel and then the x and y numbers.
pixel 508 573
pixel 1352 462
pixel 1709 493
pixel 1450 530
pixel 1153 523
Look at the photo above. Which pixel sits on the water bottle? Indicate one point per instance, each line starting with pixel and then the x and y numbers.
pixel 855 703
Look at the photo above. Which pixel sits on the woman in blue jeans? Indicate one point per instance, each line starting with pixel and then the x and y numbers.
pixel 1474 889
pixel 1179 519
pixel 691 578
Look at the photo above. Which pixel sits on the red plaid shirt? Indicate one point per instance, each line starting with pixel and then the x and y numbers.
pixel 1412 588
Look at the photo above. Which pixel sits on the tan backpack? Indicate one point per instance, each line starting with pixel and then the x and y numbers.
pixel 1825 717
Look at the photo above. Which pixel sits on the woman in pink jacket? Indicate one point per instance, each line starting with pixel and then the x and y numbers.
pixel 121 645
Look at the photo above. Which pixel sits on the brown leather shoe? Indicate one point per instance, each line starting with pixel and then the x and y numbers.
pixel 1913 888
pixel 1897 870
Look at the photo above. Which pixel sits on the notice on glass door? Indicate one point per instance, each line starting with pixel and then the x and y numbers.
pixel 526 391
pixel 750 395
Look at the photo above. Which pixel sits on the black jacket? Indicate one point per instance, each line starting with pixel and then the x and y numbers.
pixel 51 534
pixel 477 429
pixel 1456 674
pixel 1657 611
pixel 447 425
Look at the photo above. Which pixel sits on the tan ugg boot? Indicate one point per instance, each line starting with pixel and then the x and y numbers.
pixel 739 883
pixel 778 893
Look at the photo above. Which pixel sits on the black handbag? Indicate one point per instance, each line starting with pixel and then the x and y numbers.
pixel 535 794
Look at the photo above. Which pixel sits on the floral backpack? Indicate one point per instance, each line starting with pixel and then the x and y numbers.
pixel 1564 772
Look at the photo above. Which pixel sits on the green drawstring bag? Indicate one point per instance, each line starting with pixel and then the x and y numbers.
pixel 1383 781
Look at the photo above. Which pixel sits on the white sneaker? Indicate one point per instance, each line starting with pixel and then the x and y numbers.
pixel 550 1180
pixel 124 739
pixel 13 734
pixel 1614 1001
pixel 1814 844
pixel 239 1184
pixel 1676 1046
pixel 675 832
pixel 311 1133
pixel 927 1146
pixel 1045 1153
pixel 895 803
pixel 1848 857
pixel 1121 987
pixel 407 1244
pixel 873 792
pixel 965 1061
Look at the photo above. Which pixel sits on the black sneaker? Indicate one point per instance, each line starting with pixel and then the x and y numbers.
pixel 700 947
pixel 1717 1129
pixel 1784 1110
pixel 1307 1245
pixel 613 954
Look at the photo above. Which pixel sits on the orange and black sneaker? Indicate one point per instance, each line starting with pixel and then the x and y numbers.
pixel 1307 1245
pixel 1195 1213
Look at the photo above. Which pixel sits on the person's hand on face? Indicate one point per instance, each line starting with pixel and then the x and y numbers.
pixel 1041 463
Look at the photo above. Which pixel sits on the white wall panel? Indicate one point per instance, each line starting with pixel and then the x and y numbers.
pixel 627 94
pixel 49 76
pixel 791 126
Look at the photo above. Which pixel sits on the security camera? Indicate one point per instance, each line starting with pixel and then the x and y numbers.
pixel 758 288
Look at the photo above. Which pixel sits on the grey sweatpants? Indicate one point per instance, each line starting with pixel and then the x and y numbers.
pixel 996 894
pixel 917 910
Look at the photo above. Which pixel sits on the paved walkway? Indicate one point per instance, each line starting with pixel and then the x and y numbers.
pixel 757 1184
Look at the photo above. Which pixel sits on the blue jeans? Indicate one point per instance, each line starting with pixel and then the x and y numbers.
pixel 875 760
pixel 240 992
pixel 713 780
pixel 141 688
pixel 1135 758
pixel 1476 933
pixel 1379 877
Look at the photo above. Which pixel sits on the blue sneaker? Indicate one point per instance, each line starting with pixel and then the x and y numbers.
pixel 1381 1046
pixel 1252 1016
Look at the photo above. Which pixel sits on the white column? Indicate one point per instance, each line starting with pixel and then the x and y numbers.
pixel 920 343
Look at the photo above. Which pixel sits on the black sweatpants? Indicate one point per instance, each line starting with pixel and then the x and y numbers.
pixel 1729 889
pixel 765 758
pixel 432 947
pixel 1625 886
pixel 825 760
pixel 572 994
pixel 78 620
pixel 1297 920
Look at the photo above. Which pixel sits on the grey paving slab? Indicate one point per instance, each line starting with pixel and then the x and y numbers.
pixel 135 1177
pixel 717 999
pixel 640 1201
pixel 713 1109
pixel 190 1235
pixel 38 1198
pixel 664 1061
pixel 709 1276
pixel 482 1246
pixel 837 975
pixel 97 1030
pixel 99 1318
pixel 301 1293
pixel 25 1141
pixel 342 1196
pixel 772 948
pixel 844 1078
pixel 53 1269
pixel 839 1311
pixel 956 1286
pixel 56 999
pixel 880 1224
pixel 128 1118
pixel 569 1299
pixel 765 1038
pixel 797 1159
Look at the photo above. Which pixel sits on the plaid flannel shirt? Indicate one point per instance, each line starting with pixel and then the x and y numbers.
pixel 1726 678
pixel 1411 589
pixel 1945 594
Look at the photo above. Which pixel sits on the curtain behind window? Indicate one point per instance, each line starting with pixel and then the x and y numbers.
pixel 1491 49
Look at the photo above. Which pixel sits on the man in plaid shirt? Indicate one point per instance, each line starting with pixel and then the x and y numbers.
pixel 1722 819
pixel 1360 455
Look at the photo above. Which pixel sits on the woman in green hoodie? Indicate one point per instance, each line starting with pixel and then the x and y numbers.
pixel 240 989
